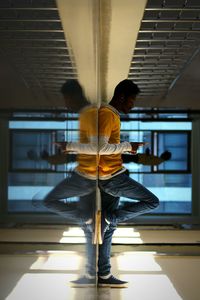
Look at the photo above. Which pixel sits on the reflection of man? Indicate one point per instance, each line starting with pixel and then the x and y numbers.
pixel 82 182
pixel 77 185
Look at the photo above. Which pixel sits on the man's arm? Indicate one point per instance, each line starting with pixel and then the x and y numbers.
pixel 101 148
pixel 89 148
pixel 106 148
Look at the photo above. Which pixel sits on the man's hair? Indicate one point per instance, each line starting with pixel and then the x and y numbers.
pixel 72 87
pixel 126 87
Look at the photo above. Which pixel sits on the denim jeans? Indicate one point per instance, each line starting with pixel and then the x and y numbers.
pixel 73 186
pixel 124 186
pixel 111 191
pixel 109 204
pixel 84 188
pixel 104 253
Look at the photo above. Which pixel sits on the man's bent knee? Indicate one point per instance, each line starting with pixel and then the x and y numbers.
pixel 47 202
pixel 154 202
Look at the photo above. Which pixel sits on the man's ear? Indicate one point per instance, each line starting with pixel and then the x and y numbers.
pixel 121 98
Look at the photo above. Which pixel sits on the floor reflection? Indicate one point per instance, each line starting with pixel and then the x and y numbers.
pixel 150 276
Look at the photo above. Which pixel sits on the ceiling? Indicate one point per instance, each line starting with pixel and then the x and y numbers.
pixel 156 43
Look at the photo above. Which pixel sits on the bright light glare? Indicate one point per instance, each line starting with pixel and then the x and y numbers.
pixel 149 287
pixel 125 235
pixel 122 235
pixel 73 231
pixel 73 235
pixel 72 240
pixel 43 286
pixel 123 231
pixel 133 261
pixel 66 261
pixel 125 240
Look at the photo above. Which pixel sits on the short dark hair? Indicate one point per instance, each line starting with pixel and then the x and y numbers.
pixel 72 87
pixel 126 87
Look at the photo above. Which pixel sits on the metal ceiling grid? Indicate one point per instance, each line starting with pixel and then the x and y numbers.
pixel 33 41
pixel 168 38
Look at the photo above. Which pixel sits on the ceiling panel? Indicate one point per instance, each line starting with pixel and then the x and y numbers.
pixel 34 46
pixel 156 43
pixel 167 41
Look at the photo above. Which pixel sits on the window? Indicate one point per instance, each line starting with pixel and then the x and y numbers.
pixel 31 176
pixel 171 180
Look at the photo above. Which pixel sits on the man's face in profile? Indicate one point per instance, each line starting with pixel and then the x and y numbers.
pixel 72 103
pixel 128 104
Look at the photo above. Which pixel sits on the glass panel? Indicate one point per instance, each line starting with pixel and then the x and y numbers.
pixel 71 124
pixel 53 53
pixel 177 144
pixel 131 162
pixel 36 150
pixel 28 149
pixel 149 125
pixel 173 190
pixel 26 191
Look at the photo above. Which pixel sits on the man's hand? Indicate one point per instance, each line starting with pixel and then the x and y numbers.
pixel 62 146
pixel 135 146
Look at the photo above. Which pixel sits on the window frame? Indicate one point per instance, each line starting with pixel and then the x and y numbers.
pixel 47 217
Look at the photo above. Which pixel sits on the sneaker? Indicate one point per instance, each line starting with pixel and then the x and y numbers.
pixel 83 281
pixel 112 282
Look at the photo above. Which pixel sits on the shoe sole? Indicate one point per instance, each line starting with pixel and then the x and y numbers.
pixel 104 285
pixel 82 285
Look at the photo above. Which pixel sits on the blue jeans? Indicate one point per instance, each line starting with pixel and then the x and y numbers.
pixel 111 191
pixel 73 186
pixel 124 186
pixel 104 253
pixel 109 204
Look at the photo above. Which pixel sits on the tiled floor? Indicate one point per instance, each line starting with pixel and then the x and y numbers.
pixel 47 275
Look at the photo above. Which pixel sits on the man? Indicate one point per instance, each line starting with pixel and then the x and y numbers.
pixel 112 177
pixel 82 182
pixel 112 180
pixel 77 185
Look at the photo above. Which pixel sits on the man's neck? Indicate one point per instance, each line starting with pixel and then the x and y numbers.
pixel 114 103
